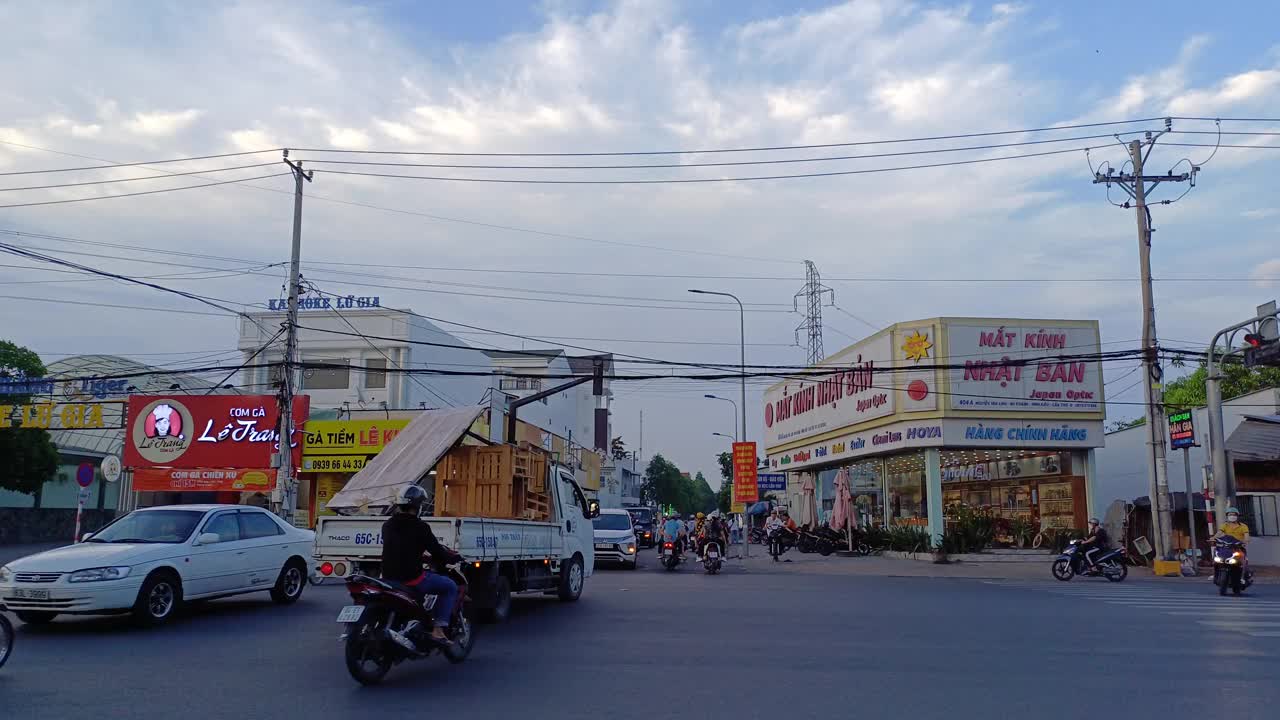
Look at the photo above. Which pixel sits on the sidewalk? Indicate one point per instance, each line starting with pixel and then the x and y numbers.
pixel 885 566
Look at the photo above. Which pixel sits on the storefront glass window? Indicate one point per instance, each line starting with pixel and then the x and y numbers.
pixel 907 490
pixel 866 484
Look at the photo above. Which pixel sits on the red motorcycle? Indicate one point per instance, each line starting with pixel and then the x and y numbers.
pixel 381 627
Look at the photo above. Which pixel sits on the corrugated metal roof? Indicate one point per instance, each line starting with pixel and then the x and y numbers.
pixel 406 459
pixel 1257 439
pixel 109 442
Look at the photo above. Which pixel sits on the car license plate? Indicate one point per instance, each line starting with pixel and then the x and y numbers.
pixel 350 613
pixel 23 594
pixel 603 546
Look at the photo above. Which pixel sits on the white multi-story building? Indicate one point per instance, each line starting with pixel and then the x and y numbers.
pixel 571 413
pixel 362 343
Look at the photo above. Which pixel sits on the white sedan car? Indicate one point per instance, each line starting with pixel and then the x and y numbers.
pixel 151 561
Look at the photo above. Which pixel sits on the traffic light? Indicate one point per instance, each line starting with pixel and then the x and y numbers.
pixel 1262 347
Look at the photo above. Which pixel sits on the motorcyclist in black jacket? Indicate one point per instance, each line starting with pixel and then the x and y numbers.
pixel 405 538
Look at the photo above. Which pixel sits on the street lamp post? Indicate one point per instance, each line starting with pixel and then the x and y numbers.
pixel 742 328
pixel 733 437
pixel 735 413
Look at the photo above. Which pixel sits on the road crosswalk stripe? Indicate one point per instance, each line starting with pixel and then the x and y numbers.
pixel 1249 616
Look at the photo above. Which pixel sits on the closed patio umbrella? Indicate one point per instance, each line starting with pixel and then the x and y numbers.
pixel 808 510
pixel 842 512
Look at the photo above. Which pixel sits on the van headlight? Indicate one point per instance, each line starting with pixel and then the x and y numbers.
pixel 99 574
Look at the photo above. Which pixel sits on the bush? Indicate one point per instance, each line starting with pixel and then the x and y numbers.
pixel 970 530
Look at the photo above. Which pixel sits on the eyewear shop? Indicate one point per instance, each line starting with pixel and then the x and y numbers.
pixel 933 414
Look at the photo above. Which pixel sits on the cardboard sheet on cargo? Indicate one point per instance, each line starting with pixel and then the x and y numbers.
pixel 406 459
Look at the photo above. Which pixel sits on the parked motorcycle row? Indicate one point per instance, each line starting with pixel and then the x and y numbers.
pixel 822 540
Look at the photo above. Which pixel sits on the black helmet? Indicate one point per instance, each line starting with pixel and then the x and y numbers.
pixel 410 499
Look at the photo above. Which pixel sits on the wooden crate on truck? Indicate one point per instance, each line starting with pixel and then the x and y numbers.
pixel 497 481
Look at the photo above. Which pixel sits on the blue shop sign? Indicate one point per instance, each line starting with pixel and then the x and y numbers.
pixel 771 482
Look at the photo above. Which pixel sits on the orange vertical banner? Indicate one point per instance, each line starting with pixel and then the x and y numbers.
pixel 744 473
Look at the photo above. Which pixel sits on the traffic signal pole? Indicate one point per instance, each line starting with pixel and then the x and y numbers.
pixel 1263 329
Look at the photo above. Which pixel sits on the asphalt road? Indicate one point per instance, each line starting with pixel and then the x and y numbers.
pixel 754 643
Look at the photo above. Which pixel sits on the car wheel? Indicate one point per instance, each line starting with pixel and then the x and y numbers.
pixel 571 579
pixel 36 617
pixel 289 585
pixel 6 639
pixel 501 609
pixel 158 600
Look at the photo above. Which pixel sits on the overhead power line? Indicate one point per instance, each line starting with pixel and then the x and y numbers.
pixel 686 181
pixel 143 192
pixel 120 164
pixel 133 179
pixel 733 163
pixel 767 148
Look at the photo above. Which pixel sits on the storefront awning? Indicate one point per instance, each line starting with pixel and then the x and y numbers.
pixel 406 459
pixel 1257 439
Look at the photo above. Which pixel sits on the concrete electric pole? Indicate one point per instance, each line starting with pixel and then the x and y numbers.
pixel 1137 185
pixel 286 481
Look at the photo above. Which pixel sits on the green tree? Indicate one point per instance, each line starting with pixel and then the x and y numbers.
pixel 1188 391
pixel 724 498
pixel 664 485
pixel 704 498
pixel 29 455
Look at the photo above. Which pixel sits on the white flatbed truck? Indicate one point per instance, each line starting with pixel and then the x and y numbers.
pixel 503 557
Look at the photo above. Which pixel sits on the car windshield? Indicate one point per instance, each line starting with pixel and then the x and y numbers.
pixel 612 521
pixel 641 516
pixel 150 526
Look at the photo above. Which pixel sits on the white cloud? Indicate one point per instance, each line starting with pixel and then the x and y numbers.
pixel 161 123
pixel 1260 213
pixel 1231 92
pixel 252 139
pixel 1267 274
pixel 348 138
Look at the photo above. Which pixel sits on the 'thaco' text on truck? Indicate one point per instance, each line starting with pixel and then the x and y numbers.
pixel 518 518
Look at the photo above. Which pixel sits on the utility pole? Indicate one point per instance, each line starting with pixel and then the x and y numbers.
pixel 1137 185
pixel 286 481
pixel 812 292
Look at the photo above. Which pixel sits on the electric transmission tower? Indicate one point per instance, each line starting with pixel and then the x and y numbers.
pixel 813 292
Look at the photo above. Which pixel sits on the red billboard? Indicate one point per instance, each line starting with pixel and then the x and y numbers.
pixel 208 431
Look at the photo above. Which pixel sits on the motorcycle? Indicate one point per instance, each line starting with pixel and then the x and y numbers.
pixel 1072 562
pixel 381 631
pixel 671 557
pixel 780 541
pixel 811 542
pixel 757 536
pixel 6 639
pixel 712 557
pixel 1229 563
pixel 840 540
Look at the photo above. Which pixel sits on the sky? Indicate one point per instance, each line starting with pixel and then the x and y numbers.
pixel 154 80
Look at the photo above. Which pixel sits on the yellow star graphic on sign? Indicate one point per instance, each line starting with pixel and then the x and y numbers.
pixel 916 346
